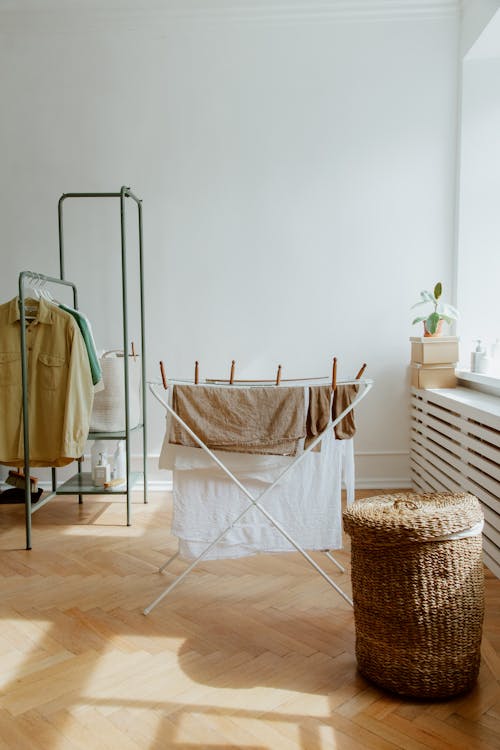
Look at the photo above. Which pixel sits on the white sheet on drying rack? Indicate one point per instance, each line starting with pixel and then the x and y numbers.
pixel 307 502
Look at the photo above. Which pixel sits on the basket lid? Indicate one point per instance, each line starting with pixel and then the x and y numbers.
pixel 411 517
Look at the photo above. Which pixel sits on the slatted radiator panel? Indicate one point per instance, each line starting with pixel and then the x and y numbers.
pixel 455 445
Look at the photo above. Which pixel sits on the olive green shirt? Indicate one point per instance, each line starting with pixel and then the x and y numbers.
pixel 60 391
pixel 88 338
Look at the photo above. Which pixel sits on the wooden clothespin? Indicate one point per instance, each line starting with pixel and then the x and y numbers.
pixel 334 374
pixel 231 376
pixel 133 351
pixel 163 376
pixel 196 372
pixel 360 373
pixel 278 375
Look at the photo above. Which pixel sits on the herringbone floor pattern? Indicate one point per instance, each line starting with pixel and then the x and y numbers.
pixel 255 653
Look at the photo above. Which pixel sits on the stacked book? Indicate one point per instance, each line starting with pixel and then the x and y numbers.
pixel 433 361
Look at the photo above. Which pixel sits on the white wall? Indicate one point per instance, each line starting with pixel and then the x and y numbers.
pixel 296 170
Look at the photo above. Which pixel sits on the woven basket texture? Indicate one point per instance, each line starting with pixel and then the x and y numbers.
pixel 418 602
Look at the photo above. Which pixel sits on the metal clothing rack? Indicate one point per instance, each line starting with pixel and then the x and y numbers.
pixel 81 484
pixel 256 502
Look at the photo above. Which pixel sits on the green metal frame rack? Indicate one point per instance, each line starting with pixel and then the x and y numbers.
pixel 81 483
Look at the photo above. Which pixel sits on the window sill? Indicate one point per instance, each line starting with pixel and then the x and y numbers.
pixel 479 382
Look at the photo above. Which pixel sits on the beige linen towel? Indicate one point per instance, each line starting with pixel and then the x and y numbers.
pixel 318 414
pixel 267 420
pixel 344 396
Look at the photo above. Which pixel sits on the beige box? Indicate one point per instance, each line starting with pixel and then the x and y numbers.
pixel 437 350
pixel 433 376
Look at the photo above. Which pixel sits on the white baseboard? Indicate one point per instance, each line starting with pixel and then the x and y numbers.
pixel 379 470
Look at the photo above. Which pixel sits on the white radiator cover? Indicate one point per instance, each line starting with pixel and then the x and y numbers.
pixel 455 445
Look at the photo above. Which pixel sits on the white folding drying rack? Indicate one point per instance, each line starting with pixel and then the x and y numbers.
pixel 256 502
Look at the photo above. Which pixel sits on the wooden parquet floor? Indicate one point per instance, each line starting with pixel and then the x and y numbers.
pixel 255 653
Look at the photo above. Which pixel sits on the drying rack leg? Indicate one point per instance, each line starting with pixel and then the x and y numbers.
pixel 174 583
pixel 334 561
pixel 166 564
pixel 188 570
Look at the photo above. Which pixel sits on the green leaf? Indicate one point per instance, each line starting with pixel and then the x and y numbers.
pixel 432 322
pixel 417 304
pixel 418 320
pixel 438 290
pixel 447 318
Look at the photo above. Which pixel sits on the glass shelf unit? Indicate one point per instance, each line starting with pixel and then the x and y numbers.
pixel 82 484
pixel 120 435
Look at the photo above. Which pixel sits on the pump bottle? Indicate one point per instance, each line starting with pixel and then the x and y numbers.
pixel 101 472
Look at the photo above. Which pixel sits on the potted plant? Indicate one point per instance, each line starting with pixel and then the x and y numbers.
pixel 433 323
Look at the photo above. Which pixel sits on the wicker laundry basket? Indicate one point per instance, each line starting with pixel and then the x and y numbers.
pixel 418 591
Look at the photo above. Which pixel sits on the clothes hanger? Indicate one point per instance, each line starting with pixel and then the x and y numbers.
pixel 32 298
pixel 45 292
pixel 32 289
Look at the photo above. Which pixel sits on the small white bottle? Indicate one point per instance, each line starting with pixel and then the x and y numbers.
pixel 101 472
pixel 98 447
pixel 476 357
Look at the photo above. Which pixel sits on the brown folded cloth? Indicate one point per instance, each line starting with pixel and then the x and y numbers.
pixel 344 396
pixel 264 420
pixel 318 414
